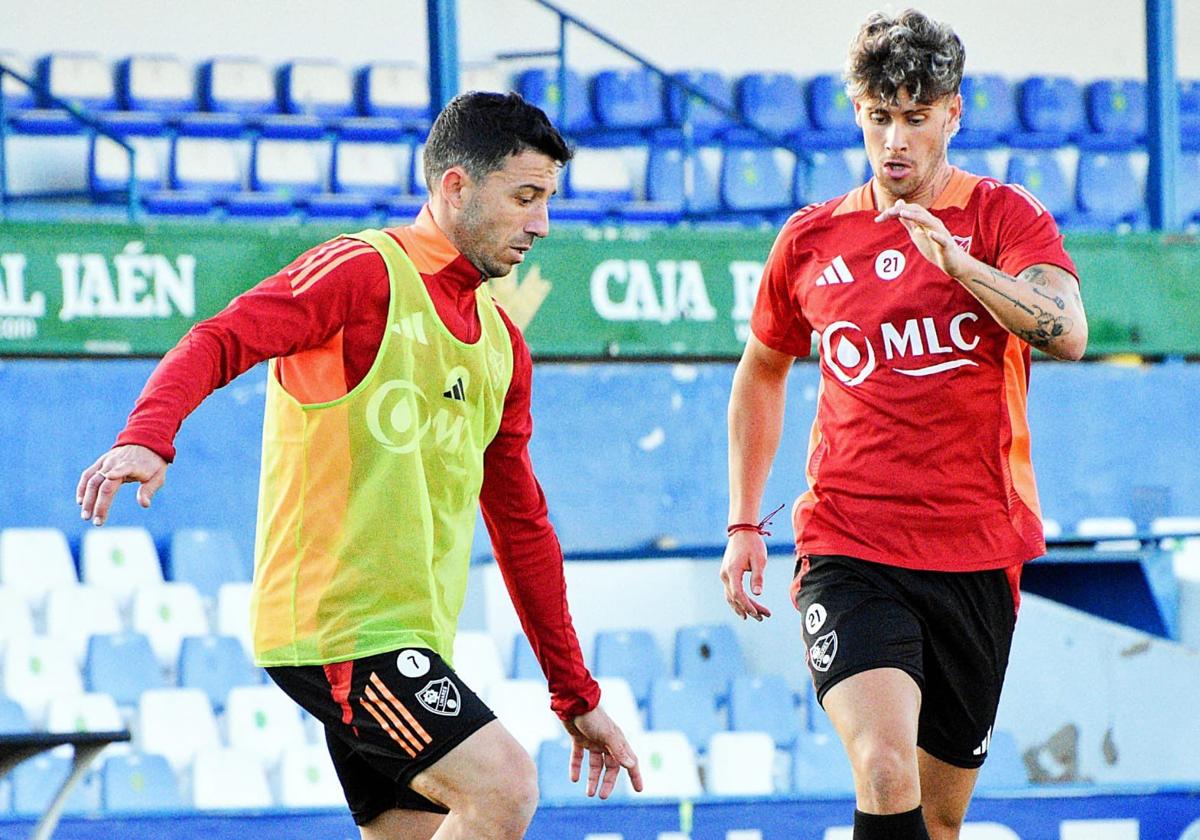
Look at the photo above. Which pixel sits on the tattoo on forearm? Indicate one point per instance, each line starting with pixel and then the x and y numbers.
pixel 1049 326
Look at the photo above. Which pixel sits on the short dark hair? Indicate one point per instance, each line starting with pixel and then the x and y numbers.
pixel 479 131
pixel 908 50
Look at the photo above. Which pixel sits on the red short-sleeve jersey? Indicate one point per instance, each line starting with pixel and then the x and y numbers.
pixel 919 453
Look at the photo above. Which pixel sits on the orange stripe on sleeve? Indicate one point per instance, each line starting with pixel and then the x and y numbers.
pixel 386 727
pixel 386 692
pixel 327 251
pixel 330 266
pixel 1020 464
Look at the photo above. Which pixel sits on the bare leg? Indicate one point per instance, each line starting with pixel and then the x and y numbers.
pixel 488 782
pixel 402 825
pixel 946 792
pixel 875 714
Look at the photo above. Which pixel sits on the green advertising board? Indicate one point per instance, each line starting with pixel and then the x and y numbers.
pixel 100 289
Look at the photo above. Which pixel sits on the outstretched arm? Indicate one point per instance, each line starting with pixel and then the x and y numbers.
pixel 1041 305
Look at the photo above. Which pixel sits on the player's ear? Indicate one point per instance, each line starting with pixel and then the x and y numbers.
pixel 455 181
pixel 954 120
pixel 858 112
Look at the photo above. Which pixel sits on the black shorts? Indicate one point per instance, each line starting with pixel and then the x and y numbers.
pixel 387 717
pixel 951 631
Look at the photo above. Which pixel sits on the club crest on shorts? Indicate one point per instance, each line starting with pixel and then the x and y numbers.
pixel 440 697
pixel 814 618
pixel 822 652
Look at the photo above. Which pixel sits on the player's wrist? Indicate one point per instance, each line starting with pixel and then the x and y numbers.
pixel 746 526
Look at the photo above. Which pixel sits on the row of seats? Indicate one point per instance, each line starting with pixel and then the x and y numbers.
pixel 1038 112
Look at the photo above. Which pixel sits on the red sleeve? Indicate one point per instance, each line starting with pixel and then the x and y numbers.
pixel 777 320
pixel 526 548
pixel 301 307
pixel 1026 233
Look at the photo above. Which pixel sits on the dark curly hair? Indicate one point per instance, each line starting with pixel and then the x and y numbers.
pixel 906 51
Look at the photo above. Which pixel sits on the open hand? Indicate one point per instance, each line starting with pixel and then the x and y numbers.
pixel 745 553
pixel 99 483
pixel 607 749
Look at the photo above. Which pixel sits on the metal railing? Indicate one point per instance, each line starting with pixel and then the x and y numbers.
pixel 80 116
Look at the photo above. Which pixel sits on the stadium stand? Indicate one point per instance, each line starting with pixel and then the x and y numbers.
pixel 123 666
pixel 740 764
pixel 138 783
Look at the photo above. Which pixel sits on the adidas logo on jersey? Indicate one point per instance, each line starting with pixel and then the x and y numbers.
pixel 835 273
pixel 455 391
pixel 982 749
pixel 411 327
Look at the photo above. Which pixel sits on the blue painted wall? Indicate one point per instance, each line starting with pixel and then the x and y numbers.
pixel 628 453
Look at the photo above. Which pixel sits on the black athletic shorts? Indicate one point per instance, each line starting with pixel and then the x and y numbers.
pixel 387 717
pixel 951 631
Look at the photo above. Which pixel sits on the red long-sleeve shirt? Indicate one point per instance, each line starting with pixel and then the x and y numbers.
pixel 328 289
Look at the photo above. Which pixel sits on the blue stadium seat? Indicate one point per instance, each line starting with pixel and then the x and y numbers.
pixel 1107 191
pixel 665 178
pixel 765 703
pixel 554 778
pixel 524 663
pixel 709 654
pixel 1116 110
pixel 1187 188
pixel 600 175
pixel 820 767
pixel 540 87
pixel 826 175
pixel 701 181
pixel 818 720
pixel 989 111
pixel 205 559
pixel 684 705
pixel 705 120
pixel 159 83
pixel 975 161
pixel 82 78
pixel 1051 111
pixel 122 665
pixel 1189 115
pixel 832 115
pixel 108 166
pixel 16 95
pixel 627 99
pixel 395 91
pixel 1042 174
pixel 753 180
pixel 237 86
pixel 215 664
pixel 12 717
pixel 318 88
pixel 289 168
pixel 1004 768
pixel 138 783
pixel 773 101
pixel 35 781
pixel 631 654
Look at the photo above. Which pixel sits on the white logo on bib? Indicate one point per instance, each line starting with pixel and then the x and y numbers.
pixel 889 264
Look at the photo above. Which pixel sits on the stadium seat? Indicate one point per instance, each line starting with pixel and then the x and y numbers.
pixel 318 88
pixel 233 614
pixel 35 671
pixel 16 619
pixel 1116 112
pixel 395 91
pixel 175 723
pixel 540 87
pixel 628 99
pixel 226 778
pixel 989 111
pixel 688 707
pixel 1187 188
pixel 12 717
pixel 1051 529
pixel 668 765
pixel 632 655
pixel 288 169
pixel 16 95
pixel 215 665
pixel 765 703
pixel 831 114
pixel 1106 526
pixel 34 561
pixel 1167 525
pixel 756 180
pixel 35 782
pixel 138 783
pixel 108 166
pixel 773 101
pixel 620 703
pixel 262 721
pixel 119 559
pixel 818 720
pixel 600 176
pixel 379 171
pixel 82 78
pixel 1004 768
pixel 477 661
pixel 740 764
pixel 554 779
pixel 123 666
pixel 1107 190
pixel 485 76
pixel 975 161
pixel 76 613
pixel 525 665
pixel 85 713
pixel 159 83
pixel 827 176
pixel 1051 112
pixel 242 86
pixel 307 778
pixel 685 108
pixel 1189 115
pixel 710 655
pixel 523 706
pixel 206 559
pixel 820 767
pixel 1041 172
pixel 166 613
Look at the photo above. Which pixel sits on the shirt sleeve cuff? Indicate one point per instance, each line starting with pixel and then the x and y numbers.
pixel 162 449
pixel 574 705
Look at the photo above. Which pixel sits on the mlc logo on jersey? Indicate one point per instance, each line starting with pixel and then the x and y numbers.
pixel 401 427
pixel 848 352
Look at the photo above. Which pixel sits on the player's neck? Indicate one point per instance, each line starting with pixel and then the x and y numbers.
pixel 925 194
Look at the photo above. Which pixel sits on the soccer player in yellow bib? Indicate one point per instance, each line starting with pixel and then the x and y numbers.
pixel 397 405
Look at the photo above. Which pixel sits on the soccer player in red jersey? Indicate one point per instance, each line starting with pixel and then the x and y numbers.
pixel 397 405
pixel 925 289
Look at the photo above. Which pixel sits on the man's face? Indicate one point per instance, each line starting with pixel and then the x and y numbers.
pixel 500 218
pixel 906 142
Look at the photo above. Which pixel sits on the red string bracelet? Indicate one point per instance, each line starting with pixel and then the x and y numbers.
pixel 760 528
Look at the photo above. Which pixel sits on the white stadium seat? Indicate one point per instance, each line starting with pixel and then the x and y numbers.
pixel 668 764
pixel 477 661
pixel 523 706
pixel 225 778
pixel 166 613
pixel 175 723
pixel 36 670
pixel 35 560
pixel 262 721
pixel 740 764
pixel 120 560
pixel 307 778
pixel 77 612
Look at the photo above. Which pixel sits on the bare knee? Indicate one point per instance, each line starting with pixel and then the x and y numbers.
pixel 943 824
pixel 504 798
pixel 886 777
